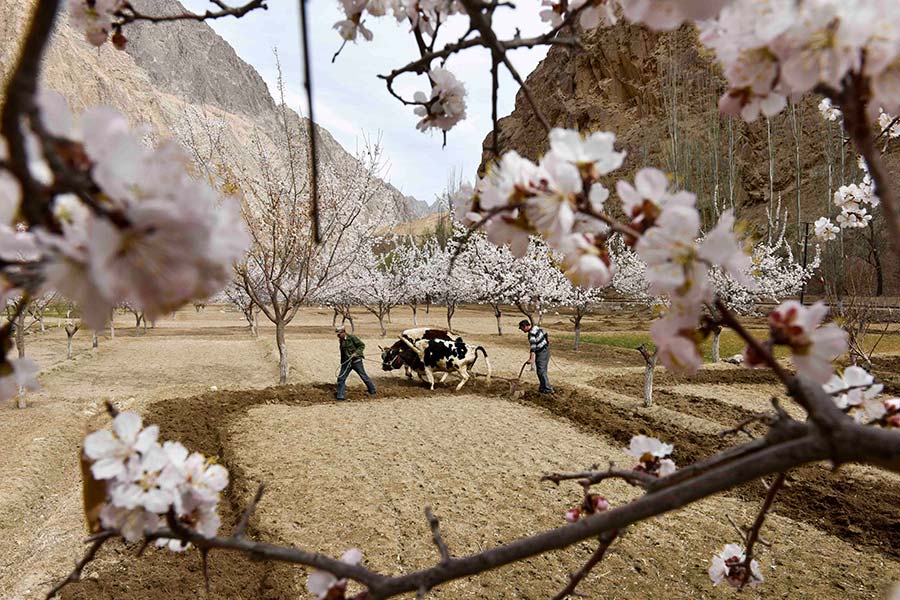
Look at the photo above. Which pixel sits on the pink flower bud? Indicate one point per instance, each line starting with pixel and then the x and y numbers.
pixel 600 503
pixel 572 515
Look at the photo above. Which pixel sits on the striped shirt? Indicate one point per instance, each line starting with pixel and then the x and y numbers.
pixel 537 337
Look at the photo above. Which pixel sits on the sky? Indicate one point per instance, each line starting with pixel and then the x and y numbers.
pixel 351 102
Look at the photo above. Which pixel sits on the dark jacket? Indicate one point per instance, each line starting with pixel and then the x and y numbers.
pixel 350 346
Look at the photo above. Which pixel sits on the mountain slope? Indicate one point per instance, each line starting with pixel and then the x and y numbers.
pixel 182 80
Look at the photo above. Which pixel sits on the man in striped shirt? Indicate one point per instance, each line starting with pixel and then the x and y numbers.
pixel 540 353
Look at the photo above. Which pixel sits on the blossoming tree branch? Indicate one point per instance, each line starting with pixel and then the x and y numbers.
pixel 94 214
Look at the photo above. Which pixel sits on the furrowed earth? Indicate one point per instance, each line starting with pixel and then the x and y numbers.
pixel 360 473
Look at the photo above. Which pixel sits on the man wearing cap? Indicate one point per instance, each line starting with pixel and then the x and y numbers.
pixel 352 356
pixel 540 353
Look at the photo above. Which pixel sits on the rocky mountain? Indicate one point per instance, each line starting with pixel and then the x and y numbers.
pixel 658 93
pixel 183 80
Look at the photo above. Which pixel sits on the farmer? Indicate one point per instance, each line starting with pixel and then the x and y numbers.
pixel 540 353
pixel 352 356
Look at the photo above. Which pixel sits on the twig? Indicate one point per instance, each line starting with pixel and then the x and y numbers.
pixel 731 321
pixel 495 86
pixel 613 224
pixel 436 535
pixel 743 533
pixel 763 418
pixel 130 15
pixel 483 25
pixel 593 477
pixel 314 164
pixel 606 540
pixel 241 528
pixel 89 555
pixel 753 535
pixel 204 564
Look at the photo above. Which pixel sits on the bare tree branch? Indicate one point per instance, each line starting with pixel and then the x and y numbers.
pixel 96 542
pixel 606 539
pixel 130 15
pixel 753 535
pixel 241 528
pixel 434 524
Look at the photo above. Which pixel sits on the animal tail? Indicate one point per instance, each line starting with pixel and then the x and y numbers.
pixel 486 361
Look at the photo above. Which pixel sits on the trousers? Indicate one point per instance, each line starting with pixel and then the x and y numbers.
pixel 541 362
pixel 355 364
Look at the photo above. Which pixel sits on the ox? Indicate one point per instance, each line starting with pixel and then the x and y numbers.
pixel 433 353
pixel 414 335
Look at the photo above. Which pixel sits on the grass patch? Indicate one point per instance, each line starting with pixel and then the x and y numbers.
pixel 729 343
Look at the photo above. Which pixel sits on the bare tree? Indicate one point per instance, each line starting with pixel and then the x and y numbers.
pixel 285 268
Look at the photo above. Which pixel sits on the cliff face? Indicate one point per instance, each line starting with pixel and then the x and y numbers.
pixel 184 81
pixel 191 61
pixel 658 93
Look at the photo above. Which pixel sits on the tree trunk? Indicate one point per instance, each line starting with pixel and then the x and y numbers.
pixel 112 324
pixel 282 352
pixel 381 324
pixel 41 321
pixel 334 317
pixel 717 334
pixel 20 334
pixel 71 330
pixel 578 317
pixel 254 323
pixel 648 381
pixel 650 362
pixel 497 315
pixel 876 261
pixel 388 318
pixel 95 341
pixel 415 310
pixel 451 308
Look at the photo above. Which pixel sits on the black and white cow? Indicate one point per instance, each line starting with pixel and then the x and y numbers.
pixel 425 356
pixel 415 334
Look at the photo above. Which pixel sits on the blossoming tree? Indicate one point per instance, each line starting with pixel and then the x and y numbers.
pixel 285 267
pixel 495 274
pixel 379 281
pixel 410 260
pixel 144 490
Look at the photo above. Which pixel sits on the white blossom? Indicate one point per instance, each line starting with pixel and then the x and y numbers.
pixel 825 230
pixel 447 105
pixel 813 346
pixel 728 566
pixel 646 448
pixel 321 583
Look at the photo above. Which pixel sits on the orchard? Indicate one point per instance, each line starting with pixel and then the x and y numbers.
pixel 725 414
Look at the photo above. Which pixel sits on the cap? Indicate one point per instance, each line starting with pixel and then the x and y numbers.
pixel 340 329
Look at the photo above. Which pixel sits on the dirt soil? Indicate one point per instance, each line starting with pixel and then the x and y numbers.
pixel 360 473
